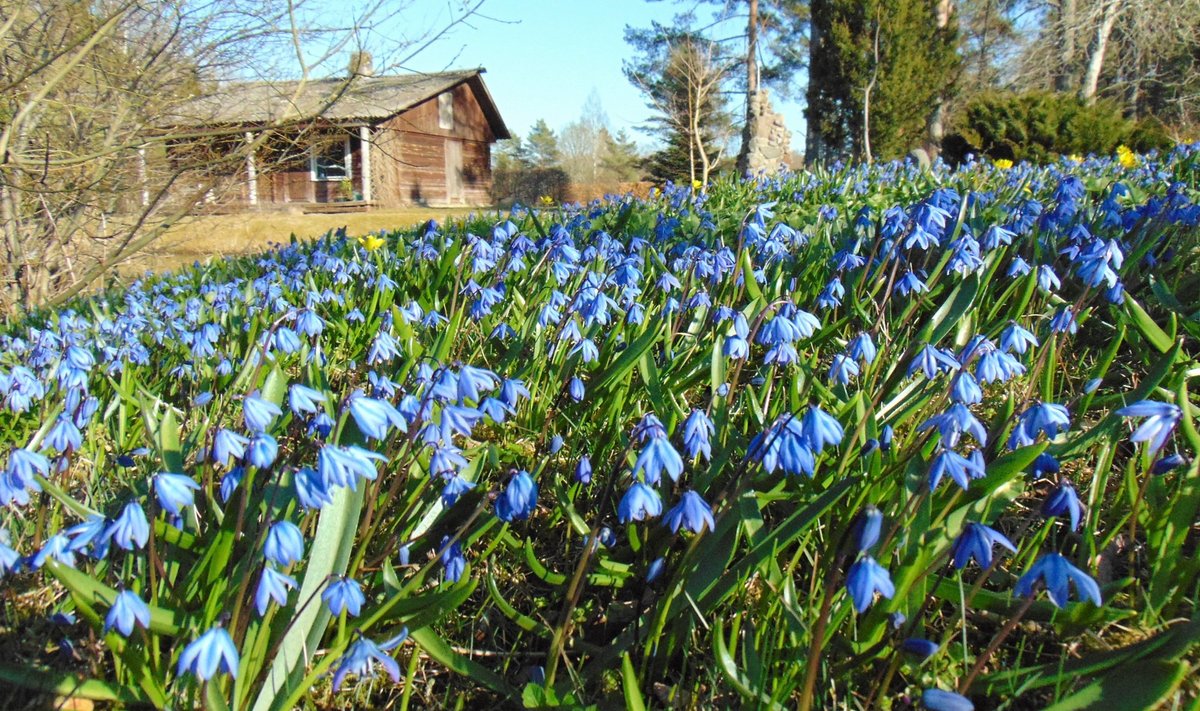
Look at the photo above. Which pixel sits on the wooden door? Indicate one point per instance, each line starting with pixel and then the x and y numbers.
pixel 454 171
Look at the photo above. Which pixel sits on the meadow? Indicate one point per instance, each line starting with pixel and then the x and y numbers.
pixel 864 437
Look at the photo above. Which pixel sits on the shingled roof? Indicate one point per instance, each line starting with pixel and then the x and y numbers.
pixel 362 99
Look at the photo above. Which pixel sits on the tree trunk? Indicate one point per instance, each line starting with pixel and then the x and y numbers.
pixel 1064 79
pixel 1097 50
pixel 750 128
pixel 813 141
pixel 935 125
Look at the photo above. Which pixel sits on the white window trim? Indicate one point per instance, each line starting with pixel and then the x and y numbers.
pixel 446 111
pixel 312 164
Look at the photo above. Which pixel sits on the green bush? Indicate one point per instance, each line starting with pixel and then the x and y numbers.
pixel 1038 126
pixel 527 185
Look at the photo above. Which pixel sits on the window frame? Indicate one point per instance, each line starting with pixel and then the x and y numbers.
pixel 446 110
pixel 347 163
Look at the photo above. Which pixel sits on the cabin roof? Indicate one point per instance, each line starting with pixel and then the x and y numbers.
pixel 358 99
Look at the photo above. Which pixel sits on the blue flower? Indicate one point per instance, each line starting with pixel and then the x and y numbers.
pixel 57 547
pixel 939 700
pixel 174 491
pixel 263 450
pixel 310 489
pixel 784 446
pixel 976 541
pixel 344 594
pixel 868 528
pixel 1055 572
pixel 344 466
pixel 1016 339
pixel 357 659
pixel 576 389
pixel 455 487
pixel 698 430
pixel 208 655
pixel 843 369
pixel 1161 419
pixel 303 399
pixel 131 529
pixel 127 610
pixel 453 560
pixel 657 456
pixel 89 533
pixel 952 423
pixel 375 417
pixel 583 470
pixel 518 499
pixel 259 413
pixel 960 469
pixel 272 585
pixel 821 429
pixel 692 512
pixel 1044 465
pixel 228 445
pixel 284 544
pixel 1063 500
pixel 1169 462
pixel 639 503
pixel 866 577
pixel 655 569
pixel 932 361
pixel 920 648
pixel 1064 321
pixel 458 420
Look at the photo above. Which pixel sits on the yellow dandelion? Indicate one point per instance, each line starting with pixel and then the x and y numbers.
pixel 371 242
pixel 696 185
pixel 546 200
pixel 1075 158
pixel 1126 157
pixel 1002 163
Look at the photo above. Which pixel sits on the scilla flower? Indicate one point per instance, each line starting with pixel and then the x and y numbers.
pixel 131 529
pixel 358 657
pixel 518 499
pixel 639 503
pixel 1161 419
pixel 174 491
pixel 127 610
pixel 272 585
pixel 344 594
pixel 692 512
pixel 1064 500
pixel 259 413
pixel 866 577
pixel 977 541
pixel 284 544
pixel 208 655
pixel 1054 572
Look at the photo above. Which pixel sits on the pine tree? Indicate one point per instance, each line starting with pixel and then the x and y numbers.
pixel 878 68
pixel 619 156
pixel 542 146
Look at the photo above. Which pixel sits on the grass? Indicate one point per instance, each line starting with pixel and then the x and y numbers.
pixel 207 237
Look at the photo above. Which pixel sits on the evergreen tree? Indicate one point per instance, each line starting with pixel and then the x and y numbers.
pixel 878 68
pixel 510 154
pixel 619 157
pixel 541 146
pixel 682 75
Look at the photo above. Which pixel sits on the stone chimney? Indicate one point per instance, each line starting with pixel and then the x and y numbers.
pixel 361 64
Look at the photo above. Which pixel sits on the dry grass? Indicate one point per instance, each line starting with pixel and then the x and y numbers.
pixel 209 237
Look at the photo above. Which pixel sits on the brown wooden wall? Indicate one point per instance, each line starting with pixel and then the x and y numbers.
pixel 409 154
pixel 408 162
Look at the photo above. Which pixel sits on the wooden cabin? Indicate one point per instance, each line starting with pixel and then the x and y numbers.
pixel 357 142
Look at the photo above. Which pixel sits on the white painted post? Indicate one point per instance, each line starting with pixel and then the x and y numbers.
pixel 364 145
pixel 142 177
pixel 251 170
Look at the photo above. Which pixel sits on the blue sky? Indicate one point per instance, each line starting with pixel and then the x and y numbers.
pixel 544 57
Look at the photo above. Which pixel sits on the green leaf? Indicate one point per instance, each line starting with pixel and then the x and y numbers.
pixel 1146 326
pixel 734 674
pixel 69 686
pixel 441 652
pixel 629 683
pixel 1129 688
pixel 329 555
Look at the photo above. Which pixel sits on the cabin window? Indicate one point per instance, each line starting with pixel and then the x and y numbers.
pixel 446 110
pixel 330 161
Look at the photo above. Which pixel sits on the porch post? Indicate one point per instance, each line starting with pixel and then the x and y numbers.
pixel 364 147
pixel 251 170
pixel 141 166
